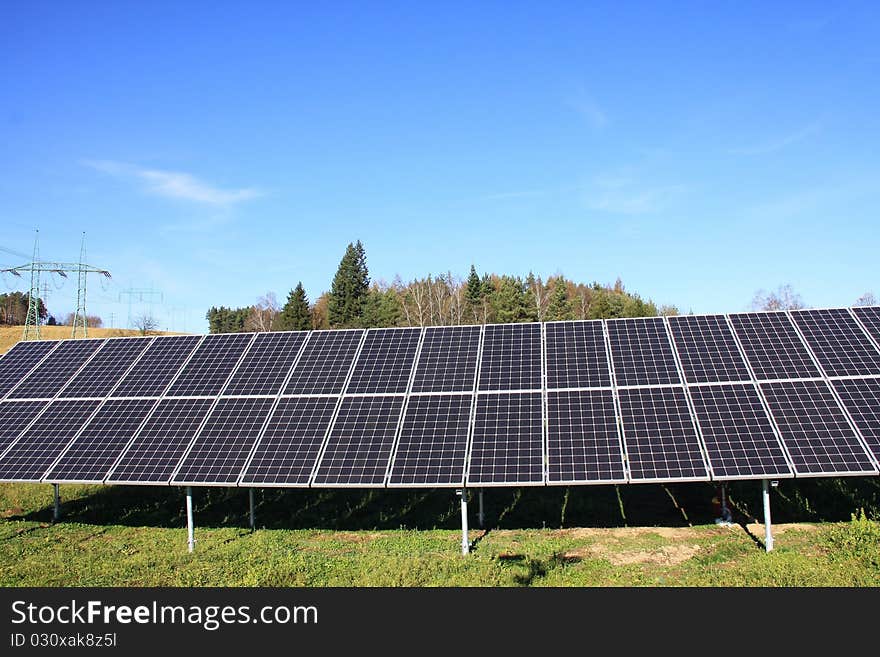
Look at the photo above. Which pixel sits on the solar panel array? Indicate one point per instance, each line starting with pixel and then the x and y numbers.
pixel 741 396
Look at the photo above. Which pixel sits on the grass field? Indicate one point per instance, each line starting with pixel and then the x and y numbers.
pixel 9 335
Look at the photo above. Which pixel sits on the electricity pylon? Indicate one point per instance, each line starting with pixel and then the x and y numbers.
pixel 32 319
pixel 79 317
pixel 143 294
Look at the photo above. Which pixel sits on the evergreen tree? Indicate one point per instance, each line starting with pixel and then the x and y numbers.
pixel 509 302
pixel 560 307
pixel 295 316
pixel 349 290
pixel 474 291
pixel 382 308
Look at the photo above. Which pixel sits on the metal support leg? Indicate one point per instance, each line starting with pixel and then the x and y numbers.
pixel 465 543
pixel 725 512
pixel 56 514
pixel 482 516
pixel 768 534
pixel 252 516
pixel 190 538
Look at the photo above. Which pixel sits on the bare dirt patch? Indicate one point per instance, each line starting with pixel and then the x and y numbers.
pixel 666 556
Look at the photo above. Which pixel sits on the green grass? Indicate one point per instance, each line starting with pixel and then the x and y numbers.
pixel 583 536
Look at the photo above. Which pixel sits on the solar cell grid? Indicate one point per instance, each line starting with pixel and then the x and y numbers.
pixel 583 439
pixel 576 355
pixel 511 357
pixel 707 349
pixel 264 368
pixel 814 429
pixel 107 366
pixel 433 442
pixel 161 442
pixel 224 443
pixel 508 444
pixel 838 342
pixel 641 352
pixel 289 447
pixel 156 368
pixel 324 363
pixel 772 346
pixel 360 442
pixel 38 447
pixel 20 360
pixel 448 359
pixel 210 365
pixel 51 375
pixel 385 362
pixel 861 397
pixel 869 316
pixel 661 442
pixel 738 435
pixel 90 457
pixel 14 418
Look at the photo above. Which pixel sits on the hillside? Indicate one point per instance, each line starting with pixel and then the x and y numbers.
pixel 9 335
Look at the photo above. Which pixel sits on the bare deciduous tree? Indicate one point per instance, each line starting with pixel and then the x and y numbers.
pixel 782 298
pixel 263 313
pixel 867 299
pixel 145 323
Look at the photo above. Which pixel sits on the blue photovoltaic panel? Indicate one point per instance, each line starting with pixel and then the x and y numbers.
pixel 385 361
pixel 773 347
pixel 161 442
pixel 106 368
pixel 738 435
pixel 324 363
pixel 707 349
pixel 870 317
pixel 263 369
pixel 210 365
pixel 157 367
pixel 576 355
pixel 839 343
pixel 583 441
pixel 448 359
pixel 433 441
pixel 360 442
pixel 14 418
pixel 661 441
pixel 814 429
pixel 511 357
pixel 861 397
pixel 641 352
pixel 508 440
pixel 51 375
pixel 289 448
pixel 38 447
pixel 224 443
pixel 20 360
pixel 90 457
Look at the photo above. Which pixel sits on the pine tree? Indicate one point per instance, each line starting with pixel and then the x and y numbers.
pixel 295 316
pixel 560 307
pixel 474 291
pixel 349 290
pixel 509 302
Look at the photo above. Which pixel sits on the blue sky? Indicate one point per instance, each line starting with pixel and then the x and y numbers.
pixel 218 151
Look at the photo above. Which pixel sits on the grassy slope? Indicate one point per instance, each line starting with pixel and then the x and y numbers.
pixel 9 335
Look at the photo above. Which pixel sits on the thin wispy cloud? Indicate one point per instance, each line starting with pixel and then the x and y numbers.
pixel 618 193
pixel 779 143
pixel 174 184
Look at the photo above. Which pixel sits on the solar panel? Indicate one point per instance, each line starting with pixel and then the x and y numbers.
pixel 51 375
pixel 210 365
pixel 324 363
pixel 264 368
pixel 861 397
pixel 583 443
pixel 38 447
pixel 289 448
pixel 641 352
pixel 707 349
pixel 14 418
pixel 157 367
pixel 508 445
pixel 576 355
pixel 814 429
pixel 225 442
pixel 870 317
pixel 20 360
pixel 360 442
pixel 838 342
pixel 738 435
pixel 448 359
pixel 385 362
pixel 661 442
pixel 90 457
pixel 161 442
pixel 432 447
pixel 511 357
pixel 773 347
pixel 98 377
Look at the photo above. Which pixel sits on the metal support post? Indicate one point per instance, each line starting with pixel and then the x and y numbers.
pixel 252 516
pixel 190 538
pixel 56 514
pixel 768 534
pixel 465 543
pixel 482 516
pixel 725 512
